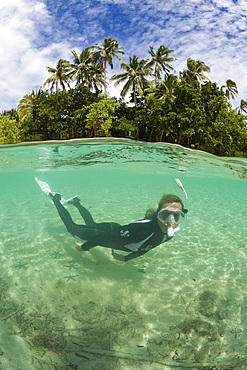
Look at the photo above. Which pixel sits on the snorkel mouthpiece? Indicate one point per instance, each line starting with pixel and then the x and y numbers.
pixel 171 231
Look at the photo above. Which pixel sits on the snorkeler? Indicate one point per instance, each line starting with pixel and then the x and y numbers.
pixel 138 237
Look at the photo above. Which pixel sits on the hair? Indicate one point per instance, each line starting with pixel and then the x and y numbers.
pixel 166 198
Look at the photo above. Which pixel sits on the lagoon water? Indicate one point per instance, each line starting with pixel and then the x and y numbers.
pixel 181 305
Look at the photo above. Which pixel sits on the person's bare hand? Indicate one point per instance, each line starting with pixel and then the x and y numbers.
pixel 78 246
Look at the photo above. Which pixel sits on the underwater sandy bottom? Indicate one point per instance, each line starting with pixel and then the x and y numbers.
pixel 182 305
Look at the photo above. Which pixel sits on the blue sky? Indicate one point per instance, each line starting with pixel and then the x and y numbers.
pixel 35 34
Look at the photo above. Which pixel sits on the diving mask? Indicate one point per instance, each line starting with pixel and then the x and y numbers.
pixel 170 216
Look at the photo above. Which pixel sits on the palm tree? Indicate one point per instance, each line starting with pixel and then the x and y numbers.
pixel 85 71
pixel 105 53
pixel 230 89
pixel 164 88
pixel 25 106
pixel 135 74
pixel 195 71
pixel 242 107
pixel 81 67
pixel 161 61
pixel 60 75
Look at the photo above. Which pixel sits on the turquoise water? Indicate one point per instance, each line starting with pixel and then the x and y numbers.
pixel 181 305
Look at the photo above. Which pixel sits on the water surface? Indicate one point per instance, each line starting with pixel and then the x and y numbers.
pixel 181 305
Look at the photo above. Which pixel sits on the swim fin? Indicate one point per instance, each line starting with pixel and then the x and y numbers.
pixel 44 186
pixel 47 190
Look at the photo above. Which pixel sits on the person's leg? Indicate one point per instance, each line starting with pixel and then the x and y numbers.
pixel 86 215
pixel 79 231
pixel 63 213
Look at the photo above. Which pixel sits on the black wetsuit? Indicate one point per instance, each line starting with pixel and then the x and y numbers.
pixel 137 237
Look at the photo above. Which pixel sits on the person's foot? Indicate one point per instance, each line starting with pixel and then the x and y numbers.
pixel 75 200
pixel 55 196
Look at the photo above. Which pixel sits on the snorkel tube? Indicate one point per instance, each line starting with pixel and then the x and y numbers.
pixel 178 182
pixel 170 230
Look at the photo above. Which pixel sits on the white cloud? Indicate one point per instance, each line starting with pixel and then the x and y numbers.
pixel 23 61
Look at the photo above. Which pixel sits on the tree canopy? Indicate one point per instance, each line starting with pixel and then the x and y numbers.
pixel 176 107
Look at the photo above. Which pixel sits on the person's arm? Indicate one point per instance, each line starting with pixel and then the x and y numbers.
pixel 90 243
pixel 128 257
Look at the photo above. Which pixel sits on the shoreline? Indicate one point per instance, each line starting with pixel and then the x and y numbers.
pixel 99 140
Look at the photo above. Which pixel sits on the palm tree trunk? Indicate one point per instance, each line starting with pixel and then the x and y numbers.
pixel 156 77
pixel 104 67
pixel 161 135
pixel 137 127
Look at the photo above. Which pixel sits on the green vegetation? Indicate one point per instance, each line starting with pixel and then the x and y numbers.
pixel 185 108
